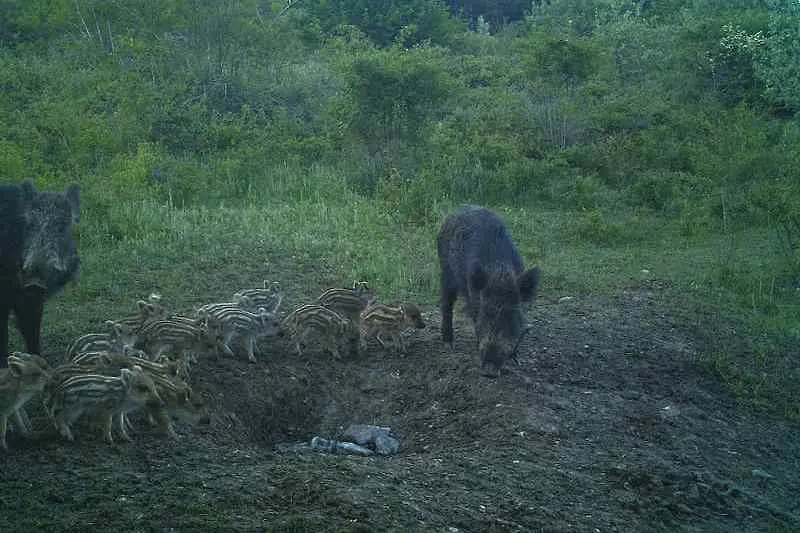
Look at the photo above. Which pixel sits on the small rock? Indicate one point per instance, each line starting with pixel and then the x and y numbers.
pixel 377 438
pixel 386 445
pixel 364 434
pixel 757 472
pixel 335 446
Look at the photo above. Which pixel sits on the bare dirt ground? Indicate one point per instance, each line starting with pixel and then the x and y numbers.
pixel 606 424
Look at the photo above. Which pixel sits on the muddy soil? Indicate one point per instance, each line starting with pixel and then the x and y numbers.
pixel 607 423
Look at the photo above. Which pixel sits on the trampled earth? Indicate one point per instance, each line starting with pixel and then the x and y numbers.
pixel 607 423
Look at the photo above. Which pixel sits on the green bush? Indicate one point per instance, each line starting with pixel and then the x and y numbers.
pixel 563 61
pixel 594 227
pixel 415 201
pixel 777 65
pixel 668 192
pixel 396 92
pixel 388 22
pixel 12 161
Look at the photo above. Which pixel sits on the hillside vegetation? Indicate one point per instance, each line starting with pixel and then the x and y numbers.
pixel 620 139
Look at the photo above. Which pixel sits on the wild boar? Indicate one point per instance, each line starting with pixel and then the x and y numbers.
pixel 349 302
pixel 38 256
pixel 228 321
pixel 326 325
pixel 480 262
pixel 381 319
pixel 25 376
pixel 109 398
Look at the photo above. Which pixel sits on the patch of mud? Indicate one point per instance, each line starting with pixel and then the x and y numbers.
pixel 603 425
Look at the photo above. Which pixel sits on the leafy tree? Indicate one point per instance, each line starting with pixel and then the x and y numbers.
pixel 394 93
pixel 566 62
pixel 388 21
pixel 778 67
pixel 29 22
pixel 733 64
pixel 495 12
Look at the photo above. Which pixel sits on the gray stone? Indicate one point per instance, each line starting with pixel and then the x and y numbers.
pixel 377 438
pixel 364 434
pixel 386 445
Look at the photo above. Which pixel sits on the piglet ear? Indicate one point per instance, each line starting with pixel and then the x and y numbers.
pixel 16 366
pixel 478 279
pixel 528 283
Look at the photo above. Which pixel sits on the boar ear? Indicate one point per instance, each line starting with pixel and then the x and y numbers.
pixel 126 376
pixel 38 360
pixel 73 194
pixel 528 283
pixel 149 308
pixel 478 279
pixel 114 327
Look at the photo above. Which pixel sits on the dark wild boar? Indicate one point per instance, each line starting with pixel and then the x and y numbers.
pixel 38 256
pixel 480 262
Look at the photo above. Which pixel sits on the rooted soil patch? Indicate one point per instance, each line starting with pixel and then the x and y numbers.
pixel 606 424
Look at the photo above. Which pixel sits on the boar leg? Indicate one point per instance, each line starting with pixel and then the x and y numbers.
pixel 108 422
pixel 160 418
pixel 121 420
pixel 378 338
pixel 64 429
pixel 449 296
pixel 226 344
pixel 23 421
pixel 402 345
pixel 3 428
pixel 5 309
pixel 251 349
pixel 28 309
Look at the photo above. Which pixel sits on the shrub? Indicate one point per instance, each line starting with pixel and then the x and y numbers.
pixel 594 227
pixel 777 65
pixel 387 22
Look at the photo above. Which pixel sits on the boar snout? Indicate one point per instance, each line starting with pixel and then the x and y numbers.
pixel 494 354
pixel 39 267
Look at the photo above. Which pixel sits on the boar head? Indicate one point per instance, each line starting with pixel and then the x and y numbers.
pixel 50 257
pixel 498 314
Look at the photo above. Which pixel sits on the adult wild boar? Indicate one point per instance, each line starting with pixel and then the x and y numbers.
pixel 480 262
pixel 37 256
